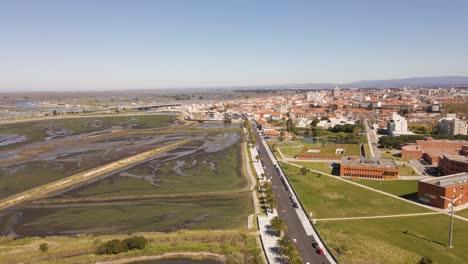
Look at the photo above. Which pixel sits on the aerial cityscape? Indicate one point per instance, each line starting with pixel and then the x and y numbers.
pixel 173 132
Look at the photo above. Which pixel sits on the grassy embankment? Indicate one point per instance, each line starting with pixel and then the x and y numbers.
pixel 393 240
pixel 238 246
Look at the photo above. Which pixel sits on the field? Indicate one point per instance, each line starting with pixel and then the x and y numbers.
pixel 402 188
pixel 320 166
pixel 390 155
pixel 327 197
pixel 407 171
pixel 329 149
pixel 463 213
pixel 395 240
pixel 237 245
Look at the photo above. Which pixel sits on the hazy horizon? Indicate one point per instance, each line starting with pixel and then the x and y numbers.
pixel 141 45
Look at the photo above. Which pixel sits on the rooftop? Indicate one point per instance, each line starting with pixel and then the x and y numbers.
pixel 449 180
pixel 368 162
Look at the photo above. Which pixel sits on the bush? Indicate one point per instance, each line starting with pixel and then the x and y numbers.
pixel 44 247
pixel 136 242
pixel 425 260
pixel 114 246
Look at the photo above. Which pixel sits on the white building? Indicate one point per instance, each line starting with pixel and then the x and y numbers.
pixel 398 125
pixel 451 125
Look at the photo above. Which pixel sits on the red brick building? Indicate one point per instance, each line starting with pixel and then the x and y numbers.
pixel 431 150
pixel 451 164
pixel 451 186
pixel 369 168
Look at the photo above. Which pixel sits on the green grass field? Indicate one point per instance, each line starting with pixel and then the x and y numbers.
pixel 463 213
pixel 396 157
pixel 330 149
pixel 167 214
pixel 327 197
pixel 395 240
pixel 407 171
pixel 399 188
pixel 290 151
pixel 320 166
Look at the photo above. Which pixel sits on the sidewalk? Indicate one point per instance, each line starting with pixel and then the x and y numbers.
pixel 269 239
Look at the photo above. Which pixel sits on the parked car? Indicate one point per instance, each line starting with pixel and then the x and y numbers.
pixel 319 251
pixel 295 205
pixel 315 244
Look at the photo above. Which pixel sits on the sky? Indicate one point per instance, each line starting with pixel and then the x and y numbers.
pixel 137 44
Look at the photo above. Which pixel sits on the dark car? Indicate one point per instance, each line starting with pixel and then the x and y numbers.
pixel 319 251
pixel 295 205
pixel 315 244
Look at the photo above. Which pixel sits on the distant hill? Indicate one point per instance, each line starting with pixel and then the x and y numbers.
pixel 416 81
pixel 390 83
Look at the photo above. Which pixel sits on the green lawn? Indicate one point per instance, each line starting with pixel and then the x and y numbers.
pixel 407 171
pixel 330 149
pixel 290 151
pixel 396 157
pixel 399 188
pixel 395 240
pixel 327 197
pixel 320 166
pixel 463 213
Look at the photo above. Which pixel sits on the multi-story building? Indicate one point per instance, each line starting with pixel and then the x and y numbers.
pixel 451 164
pixel 451 125
pixel 397 125
pixel 432 190
pixel 370 168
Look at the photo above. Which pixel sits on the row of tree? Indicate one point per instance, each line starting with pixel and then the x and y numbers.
pixel 285 245
pixel 396 142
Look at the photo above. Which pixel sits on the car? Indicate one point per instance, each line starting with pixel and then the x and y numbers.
pixel 315 244
pixel 295 205
pixel 319 251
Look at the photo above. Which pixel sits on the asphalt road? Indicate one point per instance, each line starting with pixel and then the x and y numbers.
pixel 285 209
pixel 373 139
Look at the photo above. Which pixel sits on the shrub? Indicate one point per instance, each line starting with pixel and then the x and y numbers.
pixel 136 242
pixel 114 246
pixel 44 247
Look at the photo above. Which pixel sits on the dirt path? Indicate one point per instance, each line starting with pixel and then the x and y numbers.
pixel 47 189
pixel 207 255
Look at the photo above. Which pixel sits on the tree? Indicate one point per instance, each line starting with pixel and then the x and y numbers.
pixel 281 136
pixel 114 246
pixel 314 122
pixel 285 245
pixel 425 260
pixel 304 171
pixel 44 247
pixel 278 225
pixel 257 157
pixel 136 242
pixel 289 125
pixel 54 112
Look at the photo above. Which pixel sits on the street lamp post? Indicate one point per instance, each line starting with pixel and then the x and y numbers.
pixel 452 205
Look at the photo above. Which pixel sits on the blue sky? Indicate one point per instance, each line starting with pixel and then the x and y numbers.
pixel 139 44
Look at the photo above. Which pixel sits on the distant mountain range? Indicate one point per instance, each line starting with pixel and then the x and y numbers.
pixel 390 83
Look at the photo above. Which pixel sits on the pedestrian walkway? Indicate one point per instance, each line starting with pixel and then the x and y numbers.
pixel 375 217
pixel 269 239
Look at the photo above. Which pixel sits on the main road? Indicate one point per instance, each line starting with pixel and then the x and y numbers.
pixel 373 140
pixel 285 209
